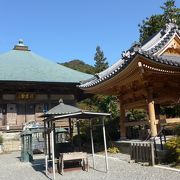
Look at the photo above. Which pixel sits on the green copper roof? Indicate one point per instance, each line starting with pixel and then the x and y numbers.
pixel 62 109
pixel 24 65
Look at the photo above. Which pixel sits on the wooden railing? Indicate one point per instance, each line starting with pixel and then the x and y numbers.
pixel 143 152
pixel 162 137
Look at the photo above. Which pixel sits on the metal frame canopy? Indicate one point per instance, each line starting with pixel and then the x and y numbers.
pixel 63 111
pixel 78 115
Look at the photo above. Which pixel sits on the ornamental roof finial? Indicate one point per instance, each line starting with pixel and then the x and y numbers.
pixel 20 46
pixel 21 42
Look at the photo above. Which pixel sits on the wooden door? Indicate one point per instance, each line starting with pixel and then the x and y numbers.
pixel 39 111
pixel 30 112
pixel 11 114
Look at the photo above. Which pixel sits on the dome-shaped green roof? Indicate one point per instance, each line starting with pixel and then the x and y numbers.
pixel 20 64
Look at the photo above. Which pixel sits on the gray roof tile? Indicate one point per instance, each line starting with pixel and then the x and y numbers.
pixel 148 50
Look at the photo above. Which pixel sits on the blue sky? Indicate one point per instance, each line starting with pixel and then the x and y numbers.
pixel 62 30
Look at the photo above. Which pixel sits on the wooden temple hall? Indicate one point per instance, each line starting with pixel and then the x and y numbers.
pixel 147 76
pixel 31 84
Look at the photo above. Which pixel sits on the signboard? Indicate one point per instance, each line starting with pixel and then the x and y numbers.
pixel 25 96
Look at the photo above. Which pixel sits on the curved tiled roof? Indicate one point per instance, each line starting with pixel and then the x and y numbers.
pixel 24 65
pixel 148 50
pixel 161 38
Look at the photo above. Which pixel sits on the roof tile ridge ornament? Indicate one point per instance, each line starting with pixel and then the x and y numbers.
pixel 171 25
pixel 126 54
pixel 97 76
pixel 136 47
pixel 61 101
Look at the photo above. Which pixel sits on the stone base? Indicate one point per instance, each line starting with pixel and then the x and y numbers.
pixel 1 148
pixel 123 146
pixel 12 142
pixel 123 138
pixel 11 145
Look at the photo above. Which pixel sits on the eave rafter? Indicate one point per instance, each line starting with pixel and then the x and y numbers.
pixel 116 83
pixel 158 70
pixel 147 65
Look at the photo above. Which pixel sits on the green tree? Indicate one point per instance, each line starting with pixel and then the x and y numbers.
pixel 79 65
pixel 100 61
pixel 155 23
pixel 170 11
pixel 1 139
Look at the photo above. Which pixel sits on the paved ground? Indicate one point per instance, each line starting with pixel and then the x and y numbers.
pixel 119 169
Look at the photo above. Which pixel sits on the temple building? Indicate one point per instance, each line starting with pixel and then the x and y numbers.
pixel 147 76
pixel 31 84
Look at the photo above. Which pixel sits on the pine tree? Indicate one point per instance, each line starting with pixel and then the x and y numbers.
pixel 153 24
pixel 170 10
pixel 100 61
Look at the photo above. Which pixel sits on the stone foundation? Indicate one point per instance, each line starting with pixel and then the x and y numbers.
pixel 11 142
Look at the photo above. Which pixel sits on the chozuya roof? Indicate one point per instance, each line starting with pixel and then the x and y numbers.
pixel 20 64
pixel 62 111
pixel 153 50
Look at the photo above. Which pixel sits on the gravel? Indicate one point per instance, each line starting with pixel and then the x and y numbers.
pixel 12 169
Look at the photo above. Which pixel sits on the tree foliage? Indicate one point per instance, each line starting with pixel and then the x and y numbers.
pixel 136 115
pixel 173 147
pixel 170 11
pixel 171 111
pixel 79 65
pixel 1 139
pixel 100 61
pixel 155 23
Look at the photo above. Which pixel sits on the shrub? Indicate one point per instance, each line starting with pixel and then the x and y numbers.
pixel 1 139
pixel 83 139
pixel 177 130
pixel 173 147
pixel 113 150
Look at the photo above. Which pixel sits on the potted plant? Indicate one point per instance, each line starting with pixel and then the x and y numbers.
pixel 1 143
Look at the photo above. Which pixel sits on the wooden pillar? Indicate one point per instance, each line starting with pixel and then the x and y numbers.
pixel 54 129
pixel 157 110
pixel 151 111
pixel 122 121
pixel 53 155
pixel 70 131
pixel 49 102
pixel 79 137
pixel 45 138
pixel 49 142
pixel 92 143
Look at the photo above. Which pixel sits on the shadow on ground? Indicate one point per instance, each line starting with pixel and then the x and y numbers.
pixel 38 163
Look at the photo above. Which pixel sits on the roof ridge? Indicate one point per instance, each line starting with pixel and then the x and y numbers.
pixel 161 38
pixel 126 61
